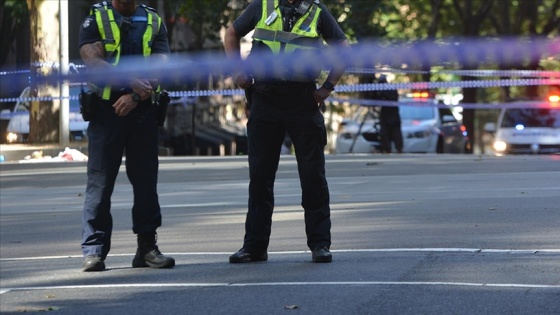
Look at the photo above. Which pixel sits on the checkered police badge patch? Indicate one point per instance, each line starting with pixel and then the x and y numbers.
pixel 87 22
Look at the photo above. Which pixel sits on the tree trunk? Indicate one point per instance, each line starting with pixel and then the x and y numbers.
pixel 472 17
pixel 45 52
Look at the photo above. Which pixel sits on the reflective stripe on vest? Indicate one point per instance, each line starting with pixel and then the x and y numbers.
pixel 303 35
pixel 110 35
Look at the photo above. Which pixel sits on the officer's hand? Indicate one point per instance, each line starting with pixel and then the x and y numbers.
pixel 124 105
pixel 321 94
pixel 243 80
pixel 142 87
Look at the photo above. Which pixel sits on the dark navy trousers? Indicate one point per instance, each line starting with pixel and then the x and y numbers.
pixel 109 137
pixel 275 111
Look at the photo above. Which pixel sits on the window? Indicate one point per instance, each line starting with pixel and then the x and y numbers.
pixel 417 112
pixel 531 117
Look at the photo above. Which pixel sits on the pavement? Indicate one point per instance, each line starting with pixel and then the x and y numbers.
pixel 412 234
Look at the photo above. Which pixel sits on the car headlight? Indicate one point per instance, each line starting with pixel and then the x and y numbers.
pixel 500 146
pixel 11 137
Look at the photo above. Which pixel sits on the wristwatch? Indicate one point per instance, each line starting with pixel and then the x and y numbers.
pixel 328 85
pixel 135 97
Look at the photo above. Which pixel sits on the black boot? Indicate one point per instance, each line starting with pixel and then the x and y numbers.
pixel 148 254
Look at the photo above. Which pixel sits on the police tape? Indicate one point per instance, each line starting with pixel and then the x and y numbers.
pixel 466 73
pixel 501 53
pixel 363 58
pixel 385 70
pixel 345 88
pixel 53 65
pixel 349 88
pixel 436 103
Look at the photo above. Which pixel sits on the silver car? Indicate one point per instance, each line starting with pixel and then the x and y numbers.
pixel 17 130
pixel 426 128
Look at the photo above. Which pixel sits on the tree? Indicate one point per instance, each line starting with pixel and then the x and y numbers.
pixel 13 15
pixel 472 17
pixel 529 18
pixel 14 45
pixel 358 19
pixel 45 48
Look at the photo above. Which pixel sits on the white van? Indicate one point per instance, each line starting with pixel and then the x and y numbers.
pixel 527 130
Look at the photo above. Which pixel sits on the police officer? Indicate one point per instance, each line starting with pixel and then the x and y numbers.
pixel 389 120
pixel 283 102
pixel 124 122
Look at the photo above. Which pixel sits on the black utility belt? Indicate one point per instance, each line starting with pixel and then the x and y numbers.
pixel 90 103
pixel 282 82
pixel 283 87
pixel 115 95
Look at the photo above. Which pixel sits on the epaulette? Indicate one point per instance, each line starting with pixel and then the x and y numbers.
pixel 147 7
pixel 100 5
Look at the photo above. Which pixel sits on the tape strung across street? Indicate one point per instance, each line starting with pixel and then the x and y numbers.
pixel 349 88
pixel 358 60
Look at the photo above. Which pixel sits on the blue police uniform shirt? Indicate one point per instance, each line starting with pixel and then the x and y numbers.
pixel 327 26
pixel 132 31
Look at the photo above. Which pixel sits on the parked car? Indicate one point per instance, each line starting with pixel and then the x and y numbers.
pixel 17 130
pixel 426 128
pixel 527 130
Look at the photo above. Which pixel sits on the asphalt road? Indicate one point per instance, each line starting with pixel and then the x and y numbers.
pixel 412 234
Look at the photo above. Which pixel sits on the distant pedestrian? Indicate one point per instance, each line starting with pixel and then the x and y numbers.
pixel 389 120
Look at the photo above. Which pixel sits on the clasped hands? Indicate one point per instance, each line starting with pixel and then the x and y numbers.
pixel 125 104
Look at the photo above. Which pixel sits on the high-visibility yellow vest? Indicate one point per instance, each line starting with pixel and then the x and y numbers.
pixel 111 35
pixel 304 35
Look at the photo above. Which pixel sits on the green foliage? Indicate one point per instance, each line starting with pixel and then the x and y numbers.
pixel 205 18
pixel 356 18
pixel 14 16
pixel 16 9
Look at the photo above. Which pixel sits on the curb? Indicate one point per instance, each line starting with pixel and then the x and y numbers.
pixel 18 152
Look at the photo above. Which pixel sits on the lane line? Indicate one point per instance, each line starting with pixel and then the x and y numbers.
pixel 271 284
pixel 374 250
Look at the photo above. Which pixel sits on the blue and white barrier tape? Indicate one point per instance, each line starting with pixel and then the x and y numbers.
pixel 432 103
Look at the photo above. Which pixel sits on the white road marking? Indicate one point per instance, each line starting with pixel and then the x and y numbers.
pixel 270 284
pixel 337 283
pixel 372 250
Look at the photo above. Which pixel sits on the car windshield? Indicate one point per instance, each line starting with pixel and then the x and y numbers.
pixel 531 117
pixel 416 112
pixel 23 106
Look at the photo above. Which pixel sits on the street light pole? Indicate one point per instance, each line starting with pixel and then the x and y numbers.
pixel 64 123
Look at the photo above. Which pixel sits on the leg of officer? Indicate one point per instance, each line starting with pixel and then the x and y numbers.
pixel 142 170
pixel 105 147
pixel 265 137
pixel 397 137
pixel 385 134
pixel 308 133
